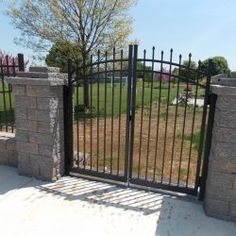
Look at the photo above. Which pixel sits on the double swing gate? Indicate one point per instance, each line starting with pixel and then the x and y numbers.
pixel 140 120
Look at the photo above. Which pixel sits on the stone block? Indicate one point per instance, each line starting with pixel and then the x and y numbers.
pixel 30 148
pixel 25 101
pixel 19 90
pixel 218 193
pixel 11 144
pixel 46 116
pixel 35 165
pixel 22 135
pixel 13 159
pixel 232 210
pixel 225 119
pixel 226 135
pixel 25 168
pixel 48 172
pixel 234 186
pixel 217 208
pixel 49 150
pixel 226 103
pixel 48 127
pixel 23 157
pixel 4 157
pixel 36 158
pixel 223 165
pixel 232 196
pixel 20 112
pixel 44 69
pixel 43 91
pixel 49 103
pixel 3 141
pixel 219 179
pixel 40 138
pixel 223 151
pixel 26 125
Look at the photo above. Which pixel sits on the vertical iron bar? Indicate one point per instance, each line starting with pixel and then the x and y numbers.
pixel 167 115
pixel 130 66
pixel 141 119
pixel 8 92
pixel 203 126
pixel 158 117
pixel 193 126
pixel 91 113
pixel 120 101
pixel 112 109
pixel 105 115
pixel 184 122
pixel 175 122
pixel 86 83
pixel 11 98
pixel 213 99
pixel 98 112
pixel 1 105
pixel 68 121
pixel 77 112
pixel 150 114
pixel 21 64
pixel 133 106
pixel 4 100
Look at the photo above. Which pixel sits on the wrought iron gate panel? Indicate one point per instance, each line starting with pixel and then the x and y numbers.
pixel 143 121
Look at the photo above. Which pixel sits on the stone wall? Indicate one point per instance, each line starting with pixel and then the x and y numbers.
pixel 8 154
pixel 220 199
pixel 39 122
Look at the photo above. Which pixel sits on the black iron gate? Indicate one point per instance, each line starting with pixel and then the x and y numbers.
pixel 140 120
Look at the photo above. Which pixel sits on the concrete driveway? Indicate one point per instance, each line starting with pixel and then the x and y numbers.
pixel 75 206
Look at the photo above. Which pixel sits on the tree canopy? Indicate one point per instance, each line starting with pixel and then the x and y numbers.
pixel 219 65
pixel 93 24
pixel 89 24
pixel 60 52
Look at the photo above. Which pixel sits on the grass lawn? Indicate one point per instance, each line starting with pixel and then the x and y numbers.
pixel 118 105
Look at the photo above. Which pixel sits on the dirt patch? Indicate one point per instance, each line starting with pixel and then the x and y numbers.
pixel 162 153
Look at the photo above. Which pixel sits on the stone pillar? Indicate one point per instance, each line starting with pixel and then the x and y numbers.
pixel 38 98
pixel 220 198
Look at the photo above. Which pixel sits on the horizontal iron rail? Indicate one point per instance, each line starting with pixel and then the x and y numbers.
pixel 180 189
pixel 173 64
pixel 101 62
pixel 99 174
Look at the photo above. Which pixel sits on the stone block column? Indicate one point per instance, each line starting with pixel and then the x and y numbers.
pixel 38 96
pixel 220 198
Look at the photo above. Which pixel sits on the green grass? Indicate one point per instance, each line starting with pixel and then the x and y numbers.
pixel 98 107
pixel 6 105
pixel 195 139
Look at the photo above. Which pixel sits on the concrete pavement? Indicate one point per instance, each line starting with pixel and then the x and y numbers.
pixel 75 206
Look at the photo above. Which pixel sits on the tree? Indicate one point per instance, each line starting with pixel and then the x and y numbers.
pixel 186 73
pixel 144 72
pixel 93 24
pixel 219 65
pixel 59 54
